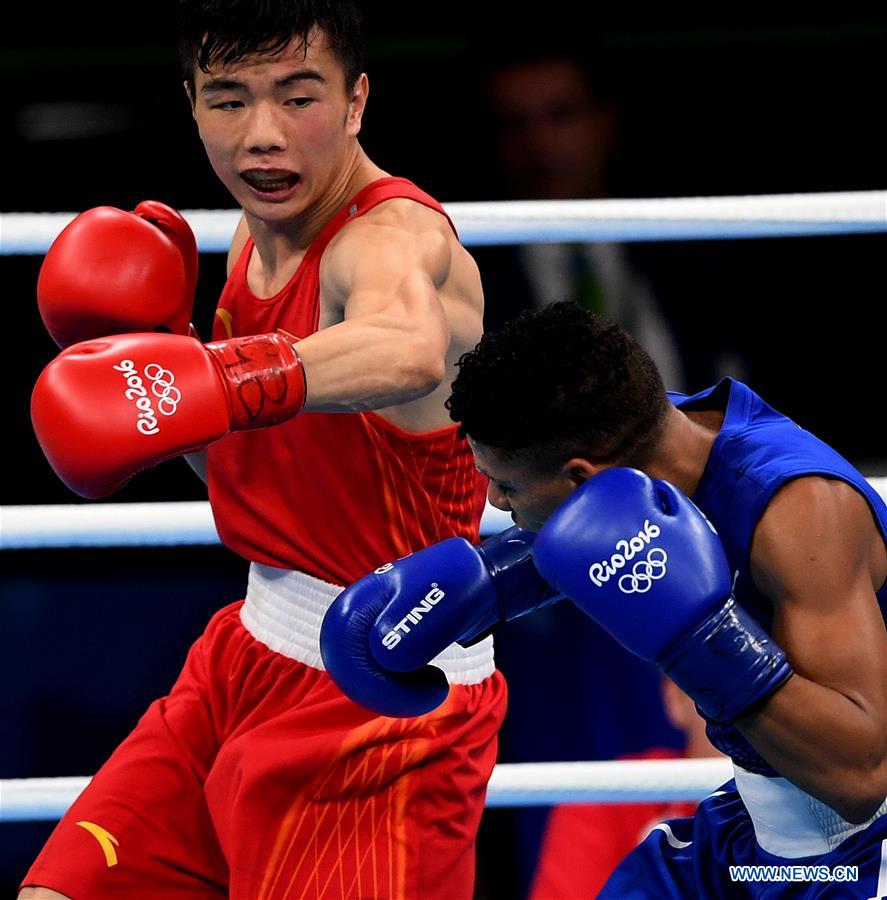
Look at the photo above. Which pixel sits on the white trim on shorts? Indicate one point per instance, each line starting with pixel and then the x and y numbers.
pixel 789 822
pixel 284 610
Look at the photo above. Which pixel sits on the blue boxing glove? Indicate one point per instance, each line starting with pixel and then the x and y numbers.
pixel 379 634
pixel 645 563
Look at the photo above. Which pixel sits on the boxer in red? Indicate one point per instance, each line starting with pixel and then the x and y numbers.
pixel 329 453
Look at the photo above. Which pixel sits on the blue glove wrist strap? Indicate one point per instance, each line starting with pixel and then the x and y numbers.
pixel 519 586
pixel 728 664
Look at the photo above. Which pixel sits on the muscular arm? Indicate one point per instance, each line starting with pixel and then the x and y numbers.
pixel 391 344
pixel 394 304
pixel 818 555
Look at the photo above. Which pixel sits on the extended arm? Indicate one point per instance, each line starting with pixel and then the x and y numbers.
pixel 392 343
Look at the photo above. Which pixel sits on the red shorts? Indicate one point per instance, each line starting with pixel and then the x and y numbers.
pixel 256 779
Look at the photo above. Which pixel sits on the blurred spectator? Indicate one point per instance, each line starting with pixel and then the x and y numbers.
pixel 584 843
pixel 553 134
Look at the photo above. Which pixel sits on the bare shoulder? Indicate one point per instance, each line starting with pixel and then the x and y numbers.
pixel 431 233
pixel 815 530
pixel 395 237
pixel 453 269
pixel 398 227
pixel 408 215
pixel 818 502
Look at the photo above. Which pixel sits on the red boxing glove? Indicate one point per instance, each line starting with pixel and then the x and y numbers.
pixel 106 409
pixel 113 272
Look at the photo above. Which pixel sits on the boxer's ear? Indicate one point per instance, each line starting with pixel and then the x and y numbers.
pixel 579 470
pixel 356 104
pixel 189 93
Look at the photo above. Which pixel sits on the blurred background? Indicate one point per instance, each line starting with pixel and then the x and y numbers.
pixel 471 106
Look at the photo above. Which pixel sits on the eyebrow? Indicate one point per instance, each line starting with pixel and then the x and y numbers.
pixel 502 481
pixel 232 84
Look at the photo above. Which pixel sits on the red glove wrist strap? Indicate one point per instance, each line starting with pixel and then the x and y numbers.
pixel 264 378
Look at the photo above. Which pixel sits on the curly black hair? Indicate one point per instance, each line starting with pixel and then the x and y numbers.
pixel 558 383
pixel 226 31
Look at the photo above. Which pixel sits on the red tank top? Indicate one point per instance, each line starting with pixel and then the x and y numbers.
pixel 333 494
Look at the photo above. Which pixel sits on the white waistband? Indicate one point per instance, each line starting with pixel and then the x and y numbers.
pixel 284 610
pixel 789 822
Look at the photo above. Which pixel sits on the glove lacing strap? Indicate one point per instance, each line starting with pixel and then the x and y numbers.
pixel 264 378
pixel 284 611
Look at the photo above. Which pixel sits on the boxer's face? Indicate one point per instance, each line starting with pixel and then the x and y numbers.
pixel 280 130
pixel 530 495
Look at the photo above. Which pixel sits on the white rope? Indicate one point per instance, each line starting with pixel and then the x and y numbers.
pixel 512 784
pixel 612 781
pixel 133 525
pixel 107 525
pixel 38 799
pixel 151 524
pixel 685 218
pixel 535 221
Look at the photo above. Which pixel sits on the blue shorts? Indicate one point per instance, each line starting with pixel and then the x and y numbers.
pixel 692 857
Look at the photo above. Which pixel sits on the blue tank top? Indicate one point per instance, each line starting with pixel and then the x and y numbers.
pixel 756 452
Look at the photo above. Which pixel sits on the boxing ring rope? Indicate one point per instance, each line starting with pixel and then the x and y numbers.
pixel 134 525
pixel 536 221
pixel 163 524
pixel 152 524
pixel 512 784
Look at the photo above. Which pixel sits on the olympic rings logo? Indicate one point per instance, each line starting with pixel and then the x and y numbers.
pixel 627 549
pixel 163 388
pixel 644 572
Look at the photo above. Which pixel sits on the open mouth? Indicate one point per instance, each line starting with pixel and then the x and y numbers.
pixel 270 181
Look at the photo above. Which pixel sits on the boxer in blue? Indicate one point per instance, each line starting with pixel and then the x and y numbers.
pixel 707 533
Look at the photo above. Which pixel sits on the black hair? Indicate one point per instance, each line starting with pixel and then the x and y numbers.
pixel 558 383
pixel 226 31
